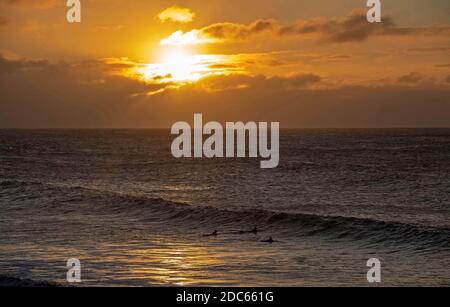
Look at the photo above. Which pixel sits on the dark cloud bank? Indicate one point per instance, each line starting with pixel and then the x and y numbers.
pixel 38 94
pixel 351 28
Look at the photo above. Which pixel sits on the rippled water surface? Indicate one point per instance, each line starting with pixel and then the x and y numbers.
pixel 134 215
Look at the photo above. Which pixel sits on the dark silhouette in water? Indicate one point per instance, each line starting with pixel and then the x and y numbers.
pixel 270 240
pixel 214 234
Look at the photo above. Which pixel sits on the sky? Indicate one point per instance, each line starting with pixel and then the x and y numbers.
pixel 149 64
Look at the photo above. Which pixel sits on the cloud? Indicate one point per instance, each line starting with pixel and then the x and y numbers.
pixel 355 28
pixel 413 77
pixel 176 14
pixel 13 66
pixel 194 37
pixel 231 31
pixel 239 81
pixel 220 32
pixel 84 94
pixel 351 28
pixel 96 94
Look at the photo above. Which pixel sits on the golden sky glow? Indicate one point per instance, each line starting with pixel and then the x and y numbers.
pixel 180 66
pixel 208 52
pixel 193 37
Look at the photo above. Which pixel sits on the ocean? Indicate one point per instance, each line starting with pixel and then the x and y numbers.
pixel 135 216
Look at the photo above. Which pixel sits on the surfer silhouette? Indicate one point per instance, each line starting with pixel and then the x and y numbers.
pixel 270 240
pixel 214 234
pixel 254 230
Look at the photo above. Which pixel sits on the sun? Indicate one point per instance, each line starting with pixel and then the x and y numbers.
pixel 180 66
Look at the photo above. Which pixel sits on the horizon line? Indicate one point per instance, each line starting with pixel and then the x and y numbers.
pixel 285 128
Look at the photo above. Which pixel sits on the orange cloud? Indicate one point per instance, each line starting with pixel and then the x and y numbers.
pixel 219 32
pixel 176 14
pixel 231 31
pixel 194 37
pixel 351 28
pixel 216 83
pixel 96 94
pixel 413 77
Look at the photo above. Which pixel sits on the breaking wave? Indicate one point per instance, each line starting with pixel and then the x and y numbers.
pixel 158 210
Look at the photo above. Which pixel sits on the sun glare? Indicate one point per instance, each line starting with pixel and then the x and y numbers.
pixel 180 66
pixel 180 38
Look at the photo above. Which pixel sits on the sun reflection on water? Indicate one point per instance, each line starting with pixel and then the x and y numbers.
pixel 173 264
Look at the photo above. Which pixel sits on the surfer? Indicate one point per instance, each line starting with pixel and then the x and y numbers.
pixel 214 234
pixel 254 230
pixel 270 240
